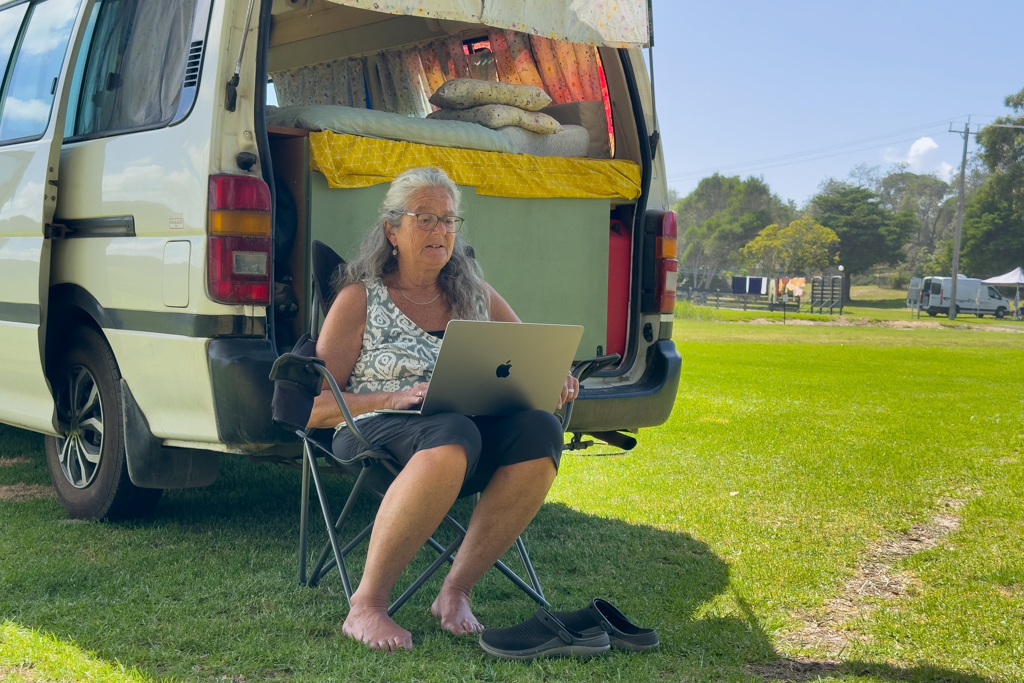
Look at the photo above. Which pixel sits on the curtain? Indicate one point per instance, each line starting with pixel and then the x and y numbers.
pixel 401 81
pixel 136 65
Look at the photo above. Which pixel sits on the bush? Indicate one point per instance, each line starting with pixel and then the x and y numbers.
pixel 900 280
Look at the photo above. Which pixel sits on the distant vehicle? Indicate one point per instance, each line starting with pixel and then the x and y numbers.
pixel 972 296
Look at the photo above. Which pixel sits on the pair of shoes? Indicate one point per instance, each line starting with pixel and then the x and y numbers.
pixel 600 616
pixel 584 633
pixel 542 635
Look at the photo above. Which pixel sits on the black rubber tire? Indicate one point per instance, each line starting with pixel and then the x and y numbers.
pixel 1000 312
pixel 110 494
pixel 933 313
pixel 980 315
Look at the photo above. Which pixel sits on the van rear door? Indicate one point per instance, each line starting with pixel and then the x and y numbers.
pixel 38 44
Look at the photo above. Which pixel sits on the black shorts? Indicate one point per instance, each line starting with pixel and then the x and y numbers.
pixel 490 442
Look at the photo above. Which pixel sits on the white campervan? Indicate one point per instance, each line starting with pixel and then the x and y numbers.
pixel 157 216
pixel 972 296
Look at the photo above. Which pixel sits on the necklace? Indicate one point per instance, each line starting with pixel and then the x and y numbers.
pixel 419 303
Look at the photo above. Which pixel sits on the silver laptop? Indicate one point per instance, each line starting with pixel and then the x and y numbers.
pixel 494 368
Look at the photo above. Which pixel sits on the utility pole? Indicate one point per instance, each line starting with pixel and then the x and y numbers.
pixel 959 219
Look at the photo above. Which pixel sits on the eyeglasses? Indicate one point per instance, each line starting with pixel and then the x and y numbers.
pixel 428 221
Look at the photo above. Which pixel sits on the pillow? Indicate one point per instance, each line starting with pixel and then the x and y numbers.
pixel 499 115
pixel 464 93
pixel 573 141
pixel 590 115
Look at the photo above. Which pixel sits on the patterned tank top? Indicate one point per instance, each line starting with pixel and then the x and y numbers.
pixel 396 354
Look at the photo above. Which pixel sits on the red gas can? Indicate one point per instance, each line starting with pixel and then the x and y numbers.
pixel 619 261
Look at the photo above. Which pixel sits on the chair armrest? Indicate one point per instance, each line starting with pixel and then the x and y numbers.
pixel 309 373
pixel 350 422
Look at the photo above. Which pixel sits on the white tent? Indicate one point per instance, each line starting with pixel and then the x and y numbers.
pixel 1014 277
pixel 614 23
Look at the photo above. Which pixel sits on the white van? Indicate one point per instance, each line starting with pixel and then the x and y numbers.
pixel 972 296
pixel 155 231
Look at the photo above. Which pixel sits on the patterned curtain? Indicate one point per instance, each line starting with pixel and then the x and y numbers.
pixel 401 81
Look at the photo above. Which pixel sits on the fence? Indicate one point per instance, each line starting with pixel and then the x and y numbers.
pixel 736 302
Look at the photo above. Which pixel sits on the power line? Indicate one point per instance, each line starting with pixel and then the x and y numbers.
pixel 812 154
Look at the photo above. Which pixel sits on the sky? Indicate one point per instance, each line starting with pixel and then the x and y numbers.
pixel 798 92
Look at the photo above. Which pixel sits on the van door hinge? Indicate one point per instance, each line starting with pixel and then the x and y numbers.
pixel 55 231
pixel 653 140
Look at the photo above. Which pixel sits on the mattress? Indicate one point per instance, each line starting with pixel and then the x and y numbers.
pixel 368 123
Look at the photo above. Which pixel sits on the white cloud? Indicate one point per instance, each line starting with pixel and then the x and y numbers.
pixel 922 157
pixel 33 110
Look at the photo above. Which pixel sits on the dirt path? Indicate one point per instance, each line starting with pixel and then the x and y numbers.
pixel 829 629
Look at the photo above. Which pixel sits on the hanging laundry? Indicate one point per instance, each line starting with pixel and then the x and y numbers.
pixel 739 285
pixel 756 285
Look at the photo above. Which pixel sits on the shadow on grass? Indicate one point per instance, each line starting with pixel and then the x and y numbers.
pixel 206 589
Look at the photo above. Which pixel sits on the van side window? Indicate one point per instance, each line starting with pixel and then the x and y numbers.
pixel 10 24
pixel 135 65
pixel 993 294
pixel 30 90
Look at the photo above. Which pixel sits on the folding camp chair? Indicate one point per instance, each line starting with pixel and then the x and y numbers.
pixel 298 377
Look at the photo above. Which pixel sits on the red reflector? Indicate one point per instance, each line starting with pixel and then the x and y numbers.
pixel 668 275
pixel 238 192
pixel 239 269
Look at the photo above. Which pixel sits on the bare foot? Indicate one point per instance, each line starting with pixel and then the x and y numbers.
pixel 452 607
pixel 371 624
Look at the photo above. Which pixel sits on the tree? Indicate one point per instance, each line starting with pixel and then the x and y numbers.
pixel 869 232
pixel 802 246
pixel 720 216
pixel 993 230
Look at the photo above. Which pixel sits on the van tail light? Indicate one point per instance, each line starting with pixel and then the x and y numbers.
pixel 667 264
pixel 239 246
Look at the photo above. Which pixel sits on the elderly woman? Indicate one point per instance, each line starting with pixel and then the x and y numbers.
pixel 380 341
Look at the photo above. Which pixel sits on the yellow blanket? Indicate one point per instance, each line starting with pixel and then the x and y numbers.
pixel 353 161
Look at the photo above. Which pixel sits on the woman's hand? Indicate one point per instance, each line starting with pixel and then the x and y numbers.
pixel 570 390
pixel 410 399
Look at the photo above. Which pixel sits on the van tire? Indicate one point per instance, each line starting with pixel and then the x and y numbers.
pixel 980 315
pixel 933 313
pixel 86 384
pixel 1000 312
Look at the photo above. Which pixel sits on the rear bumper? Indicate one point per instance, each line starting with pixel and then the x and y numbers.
pixel 242 393
pixel 646 403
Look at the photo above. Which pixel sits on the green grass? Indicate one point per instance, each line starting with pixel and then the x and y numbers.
pixel 791 450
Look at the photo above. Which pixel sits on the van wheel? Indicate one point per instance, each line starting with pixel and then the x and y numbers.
pixel 87 461
pixel 933 313
pixel 1000 312
pixel 980 315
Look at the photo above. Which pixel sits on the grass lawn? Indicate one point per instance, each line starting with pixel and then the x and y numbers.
pixel 825 503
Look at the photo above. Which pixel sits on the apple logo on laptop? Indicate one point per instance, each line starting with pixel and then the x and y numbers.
pixel 504 369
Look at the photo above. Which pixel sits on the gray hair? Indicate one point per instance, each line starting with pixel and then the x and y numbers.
pixel 460 281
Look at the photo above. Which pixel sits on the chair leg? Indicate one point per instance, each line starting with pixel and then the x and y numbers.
pixel 304 518
pixel 319 570
pixel 315 578
pixel 521 547
pixel 537 596
pixel 434 566
pixel 332 535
